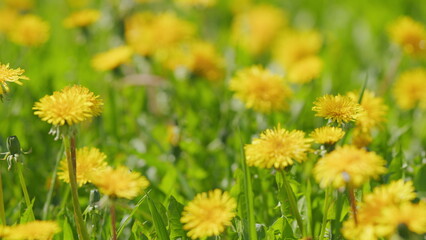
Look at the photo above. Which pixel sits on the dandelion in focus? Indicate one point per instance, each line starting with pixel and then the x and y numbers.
pixel 257 28
pixel 348 165
pixel 208 214
pixel 260 89
pixel 340 109
pixel 30 30
pixel 410 89
pixel 82 18
pixel 36 230
pixel 410 35
pixel 327 135
pixel 90 161
pixel 69 106
pixel 11 75
pixel 277 148
pixel 112 59
pixel 120 183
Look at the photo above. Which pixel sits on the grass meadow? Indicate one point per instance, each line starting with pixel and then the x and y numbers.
pixel 192 119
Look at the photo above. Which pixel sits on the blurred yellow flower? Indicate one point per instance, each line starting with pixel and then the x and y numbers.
pixel 277 148
pixel 20 5
pixel 90 161
pixel 410 35
pixel 112 58
pixel 30 30
pixel 10 75
pixel 409 214
pixel 410 89
pixel 120 183
pixel 305 70
pixel 260 89
pixel 36 230
pixel 196 3
pixel 372 220
pixel 348 165
pixel 257 28
pixel 208 214
pixel 327 135
pixel 70 106
pixel 294 46
pixel 147 33
pixel 374 110
pixel 8 17
pixel 82 18
pixel 361 138
pixel 206 62
pixel 340 109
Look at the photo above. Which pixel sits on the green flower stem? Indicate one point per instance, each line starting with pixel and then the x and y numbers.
pixel 2 214
pixel 327 204
pixel 292 201
pixel 352 200
pixel 113 220
pixel 24 189
pixel 308 198
pixel 69 142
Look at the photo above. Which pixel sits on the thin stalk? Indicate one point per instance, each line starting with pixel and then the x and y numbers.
pixel 69 142
pixel 292 201
pixel 2 214
pixel 52 184
pixel 352 200
pixel 327 204
pixel 308 191
pixel 113 220
pixel 24 189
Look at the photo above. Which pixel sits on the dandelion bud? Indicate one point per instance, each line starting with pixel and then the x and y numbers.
pixel 13 145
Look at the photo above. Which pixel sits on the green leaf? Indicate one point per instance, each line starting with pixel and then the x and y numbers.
pixel 174 212
pixel 67 230
pixel 159 225
pixel 123 224
pixel 395 167
pixel 28 214
pixel 420 179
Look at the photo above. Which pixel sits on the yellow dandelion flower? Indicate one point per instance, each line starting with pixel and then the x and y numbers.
pixel 196 3
pixel 374 110
pixel 206 62
pixel 8 17
pixel 327 135
pixel 372 209
pixel 410 89
pixel 82 18
pixel 30 30
pixel 341 109
pixel 147 33
pixel 257 28
pixel 277 148
pixel 120 183
pixel 21 5
pixel 294 46
pixel 361 138
pixel 69 106
pixel 410 35
pixel 305 70
pixel 348 165
pixel 10 75
pixel 260 89
pixel 112 58
pixel 36 230
pixel 208 214
pixel 90 161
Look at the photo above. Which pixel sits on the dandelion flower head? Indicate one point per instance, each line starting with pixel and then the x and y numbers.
pixel 260 89
pixel 327 135
pixel 89 162
pixel 8 17
pixel 69 106
pixel 206 62
pixel 208 214
pixel 112 58
pixel 374 110
pixel 257 28
pixel 361 138
pixel 8 74
pixel 410 35
pixel 36 230
pixel 82 18
pixel 277 148
pixel 120 183
pixel 340 109
pixel 30 30
pixel 305 70
pixel 410 89
pixel 20 5
pixel 348 165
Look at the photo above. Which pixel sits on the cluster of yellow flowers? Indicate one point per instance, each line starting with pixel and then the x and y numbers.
pixel 385 210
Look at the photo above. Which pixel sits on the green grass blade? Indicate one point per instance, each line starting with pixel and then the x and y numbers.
pixel 124 223
pixel 159 225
